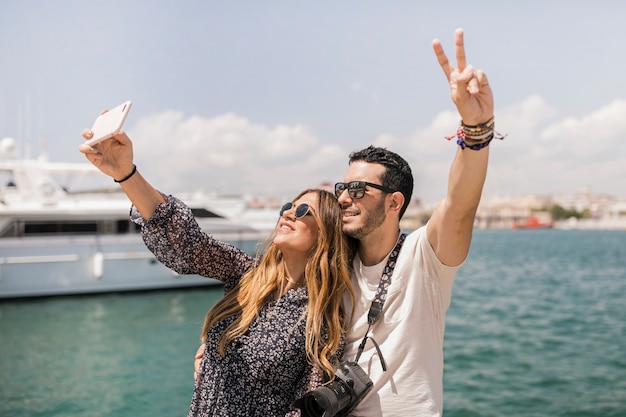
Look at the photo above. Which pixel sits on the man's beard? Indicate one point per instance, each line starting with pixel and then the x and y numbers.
pixel 369 222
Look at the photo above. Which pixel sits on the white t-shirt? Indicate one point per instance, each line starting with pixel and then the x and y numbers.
pixel 409 331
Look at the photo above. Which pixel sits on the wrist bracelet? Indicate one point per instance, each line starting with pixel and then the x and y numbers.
pixel 476 142
pixel 128 176
pixel 475 147
pixel 476 130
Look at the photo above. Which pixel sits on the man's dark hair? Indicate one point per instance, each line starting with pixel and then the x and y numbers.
pixel 397 175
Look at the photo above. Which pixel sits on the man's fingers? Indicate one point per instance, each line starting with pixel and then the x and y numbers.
pixel 475 80
pixel 200 351
pixel 478 83
pixel 197 361
pixel 196 367
pixel 473 87
pixel 482 78
pixel 442 58
pixel 459 46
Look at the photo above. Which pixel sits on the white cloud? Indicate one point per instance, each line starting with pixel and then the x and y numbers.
pixel 228 153
pixel 599 133
pixel 551 154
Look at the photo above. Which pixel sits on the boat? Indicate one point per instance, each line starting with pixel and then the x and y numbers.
pixel 55 240
pixel 533 222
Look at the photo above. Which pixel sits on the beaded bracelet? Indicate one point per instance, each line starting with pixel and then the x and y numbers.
pixel 474 147
pixel 128 176
pixel 476 137
pixel 480 131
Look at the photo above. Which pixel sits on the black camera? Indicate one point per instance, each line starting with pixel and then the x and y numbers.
pixel 340 396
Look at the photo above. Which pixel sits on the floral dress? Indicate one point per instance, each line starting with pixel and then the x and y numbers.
pixel 266 369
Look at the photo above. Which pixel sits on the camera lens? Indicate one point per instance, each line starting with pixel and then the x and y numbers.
pixel 325 400
pixel 311 408
pixel 343 393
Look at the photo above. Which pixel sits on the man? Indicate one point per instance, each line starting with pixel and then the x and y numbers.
pixel 410 331
pixel 375 193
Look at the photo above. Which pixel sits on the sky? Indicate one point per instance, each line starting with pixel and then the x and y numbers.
pixel 270 97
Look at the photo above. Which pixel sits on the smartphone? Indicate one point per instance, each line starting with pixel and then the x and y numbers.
pixel 109 123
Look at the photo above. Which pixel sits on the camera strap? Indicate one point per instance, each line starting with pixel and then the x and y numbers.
pixel 379 299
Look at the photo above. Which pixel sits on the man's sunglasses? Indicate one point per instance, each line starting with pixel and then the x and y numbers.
pixel 356 189
pixel 301 210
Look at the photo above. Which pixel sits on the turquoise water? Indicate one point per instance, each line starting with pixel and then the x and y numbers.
pixel 537 327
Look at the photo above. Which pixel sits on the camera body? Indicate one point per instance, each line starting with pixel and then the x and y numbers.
pixel 340 396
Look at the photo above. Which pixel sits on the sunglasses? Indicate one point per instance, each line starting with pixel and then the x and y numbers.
pixel 356 189
pixel 301 210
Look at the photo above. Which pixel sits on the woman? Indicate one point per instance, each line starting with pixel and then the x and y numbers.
pixel 278 331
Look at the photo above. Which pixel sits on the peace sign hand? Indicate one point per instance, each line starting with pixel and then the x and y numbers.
pixel 469 87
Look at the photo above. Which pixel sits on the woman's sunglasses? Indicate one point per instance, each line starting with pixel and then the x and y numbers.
pixel 356 189
pixel 301 210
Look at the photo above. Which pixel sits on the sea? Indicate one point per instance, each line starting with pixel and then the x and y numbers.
pixel 537 327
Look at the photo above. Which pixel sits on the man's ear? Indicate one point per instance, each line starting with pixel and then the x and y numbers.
pixel 396 201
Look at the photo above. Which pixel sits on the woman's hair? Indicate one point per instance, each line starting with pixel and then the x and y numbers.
pixel 327 276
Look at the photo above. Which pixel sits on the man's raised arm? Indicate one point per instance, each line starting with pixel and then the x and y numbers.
pixel 451 224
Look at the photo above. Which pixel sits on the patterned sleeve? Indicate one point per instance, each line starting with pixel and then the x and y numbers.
pixel 177 241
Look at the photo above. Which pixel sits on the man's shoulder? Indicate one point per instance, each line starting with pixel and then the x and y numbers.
pixel 417 248
pixel 416 237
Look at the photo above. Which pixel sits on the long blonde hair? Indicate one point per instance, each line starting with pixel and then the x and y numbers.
pixel 327 277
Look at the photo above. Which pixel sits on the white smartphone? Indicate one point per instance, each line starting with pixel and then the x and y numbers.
pixel 109 123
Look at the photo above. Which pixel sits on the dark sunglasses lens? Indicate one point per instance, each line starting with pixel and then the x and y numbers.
pixel 356 189
pixel 339 188
pixel 284 208
pixel 302 210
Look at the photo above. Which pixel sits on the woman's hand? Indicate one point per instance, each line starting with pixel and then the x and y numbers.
pixel 114 156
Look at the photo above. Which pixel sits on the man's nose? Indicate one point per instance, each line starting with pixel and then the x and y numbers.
pixel 344 198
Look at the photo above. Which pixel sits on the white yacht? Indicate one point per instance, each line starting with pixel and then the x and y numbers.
pixel 54 241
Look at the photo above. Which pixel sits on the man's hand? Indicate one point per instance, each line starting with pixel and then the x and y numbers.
pixel 197 361
pixel 469 87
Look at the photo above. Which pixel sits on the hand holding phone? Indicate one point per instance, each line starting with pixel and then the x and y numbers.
pixel 109 123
